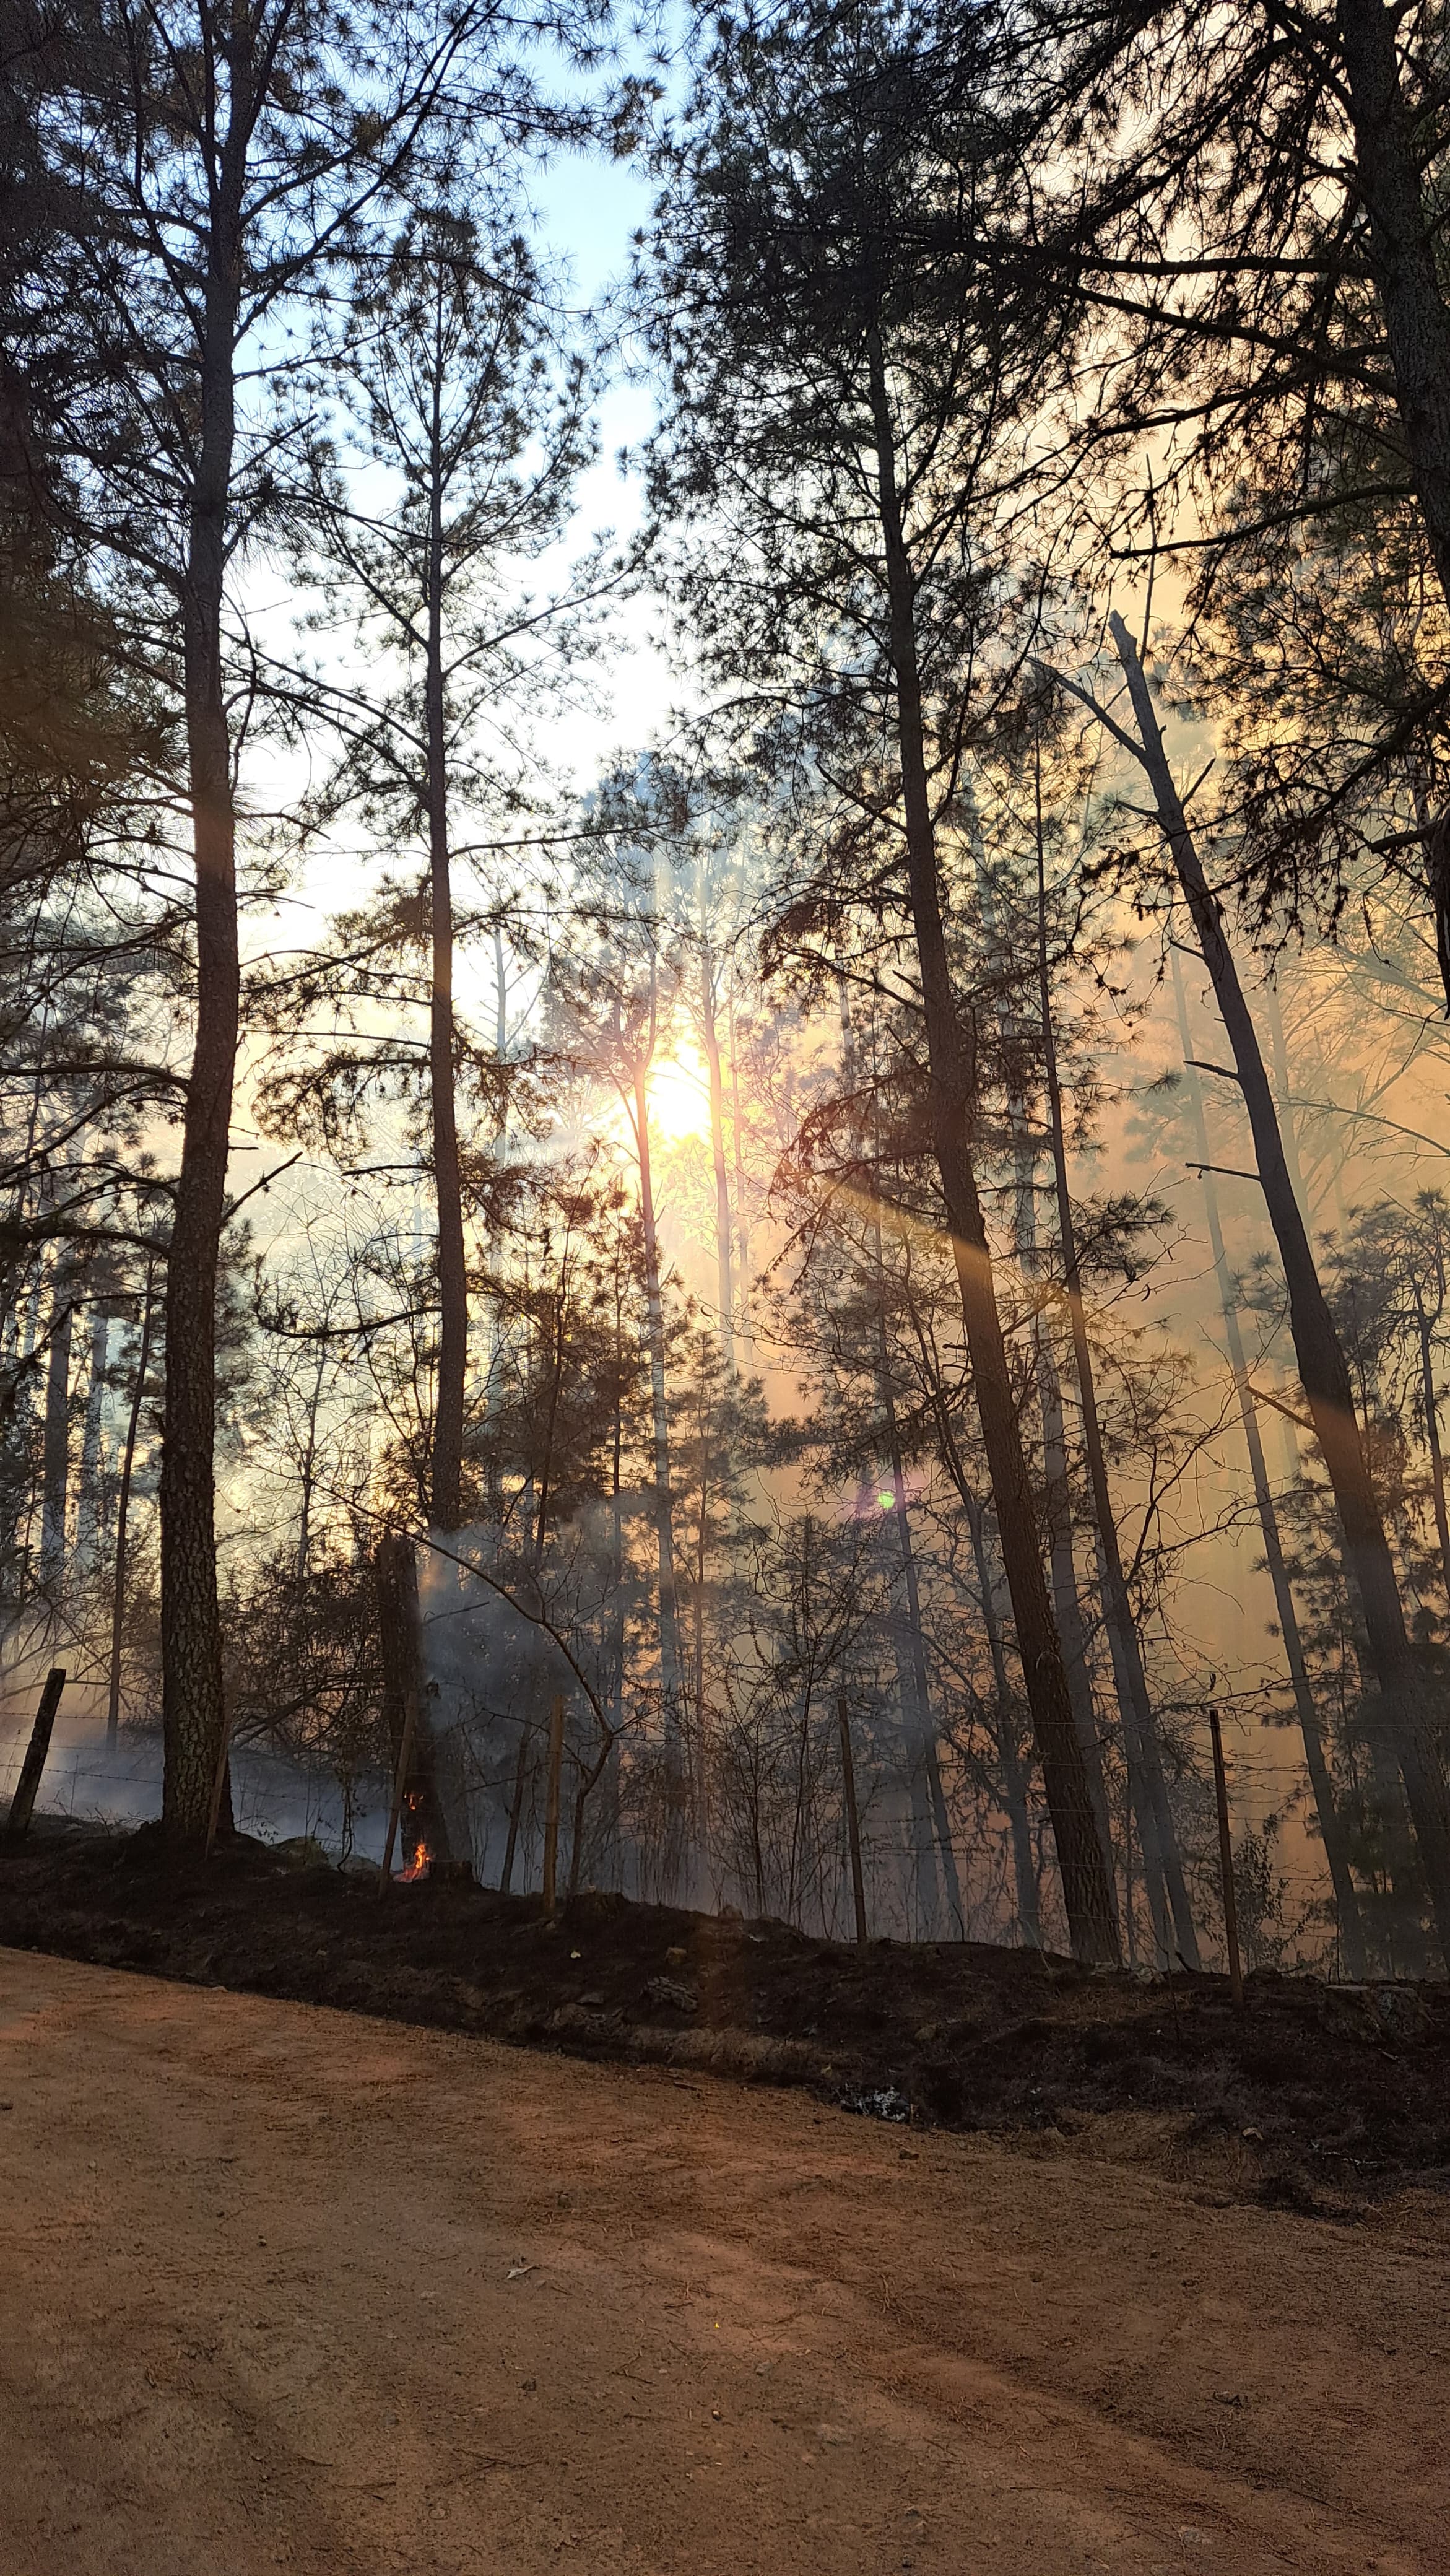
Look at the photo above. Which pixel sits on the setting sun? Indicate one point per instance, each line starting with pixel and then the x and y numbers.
pixel 679 1096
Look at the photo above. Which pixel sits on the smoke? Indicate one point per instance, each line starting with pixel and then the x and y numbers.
pixel 94 1782
pixel 500 1642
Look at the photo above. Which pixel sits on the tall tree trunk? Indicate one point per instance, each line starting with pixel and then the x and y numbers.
pixel 1331 1822
pixel 1057 1497
pixel 742 1221
pixel 1157 1832
pixel 951 1084
pixel 193 1712
pixel 428 1798
pixel 1014 1769
pixel 1403 1712
pixel 1279 1048
pixel 123 1512
pixel 309 1472
pixel 446 1463
pixel 1432 1434
pixel 90 1484
pixel 710 1034
pixel 55 1450
pixel 671 1673
pixel 701 1765
pixel 934 1848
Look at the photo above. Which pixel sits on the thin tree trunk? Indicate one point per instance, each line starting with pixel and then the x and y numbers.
pixel 193 1708
pixel 1331 1822
pixel 1157 1832
pixel 697 1612
pixel 1057 1498
pixel 309 1472
pixel 934 1849
pixel 951 1087
pixel 1432 1435
pixel 123 1512
pixel 711 1036
pixel 395 1568
pixel 1279 1047
pixel 1403 1712
pixel 671 1676
pixel 742 1224
pixel 446 1464
pixel 55 1453
pixel 1014 1770
pixel 89 1480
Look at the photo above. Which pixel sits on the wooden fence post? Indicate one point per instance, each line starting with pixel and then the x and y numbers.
pixel 551 1810
pixel 1226 1864
pixel 853 1817
pixel 17 1823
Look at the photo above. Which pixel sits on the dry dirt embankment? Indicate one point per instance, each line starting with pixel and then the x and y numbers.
pixel 286 2287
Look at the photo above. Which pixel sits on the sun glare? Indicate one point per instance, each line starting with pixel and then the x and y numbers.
pixel 679 1096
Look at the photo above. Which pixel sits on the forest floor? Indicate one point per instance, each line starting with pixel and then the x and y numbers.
pixel 286 2287
pixel 1318 2098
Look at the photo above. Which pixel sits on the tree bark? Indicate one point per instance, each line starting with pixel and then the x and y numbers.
pixel 55 1454
pixel 742 1222
pixel 123 1511
pixel 1014 1769
pixel 671 1674
pixel 89 1496
pixel 395 1573
pixel 1331 1822
pixel 1057 1497
pixel 710 1034
pixel 1156 1829
pixel 951 1078
pixel 446 1463
pixel 1432 1435
pixel 191 1624
pixel 1403 1713
pixel 193 1714
pixel 935 1852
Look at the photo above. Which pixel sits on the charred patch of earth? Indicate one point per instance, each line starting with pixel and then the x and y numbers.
pixel 1315 2098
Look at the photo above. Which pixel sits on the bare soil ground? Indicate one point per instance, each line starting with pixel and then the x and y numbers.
pixel 289 2287
pixel 1316 2098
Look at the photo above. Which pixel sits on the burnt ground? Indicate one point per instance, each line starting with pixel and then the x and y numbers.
pixel 1314 2098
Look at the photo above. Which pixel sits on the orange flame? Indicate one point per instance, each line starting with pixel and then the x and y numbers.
pixel 417 1866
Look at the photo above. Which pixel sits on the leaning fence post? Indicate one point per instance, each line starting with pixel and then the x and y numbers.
pixel 17 1823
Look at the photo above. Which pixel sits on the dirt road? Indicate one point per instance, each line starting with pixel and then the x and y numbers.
pixel 285 2287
